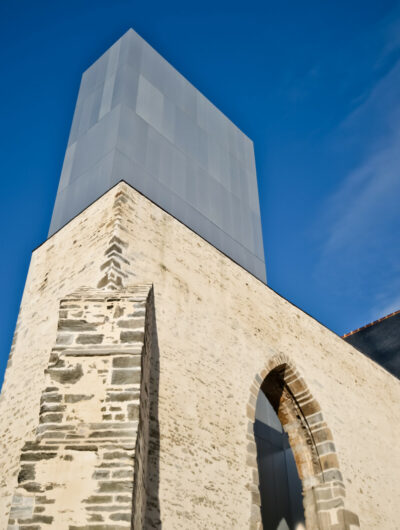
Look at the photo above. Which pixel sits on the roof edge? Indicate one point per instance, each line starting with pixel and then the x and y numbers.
pixel 370 324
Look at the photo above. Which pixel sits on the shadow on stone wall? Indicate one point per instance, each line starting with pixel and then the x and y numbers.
pixel 152 515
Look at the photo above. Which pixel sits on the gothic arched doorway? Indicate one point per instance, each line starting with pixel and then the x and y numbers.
pixel 296 478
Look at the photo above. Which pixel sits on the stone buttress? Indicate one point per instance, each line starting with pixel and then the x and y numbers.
pixel 87 461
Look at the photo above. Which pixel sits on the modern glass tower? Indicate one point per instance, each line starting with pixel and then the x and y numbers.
pixel 138 120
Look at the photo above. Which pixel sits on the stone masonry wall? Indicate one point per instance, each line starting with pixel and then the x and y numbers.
pixel 84 249
pixel 217 330
pixel 79 468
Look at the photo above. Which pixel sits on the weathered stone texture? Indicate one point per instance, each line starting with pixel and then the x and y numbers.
pixel 217 327
pixel 83 446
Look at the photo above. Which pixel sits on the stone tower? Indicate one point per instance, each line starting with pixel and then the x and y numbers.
pixel 147 339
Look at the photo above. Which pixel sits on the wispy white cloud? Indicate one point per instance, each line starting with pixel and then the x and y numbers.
pixel 379 311
pixel 369 195
pixel 368 200
pixel 361 219
pixel 390 31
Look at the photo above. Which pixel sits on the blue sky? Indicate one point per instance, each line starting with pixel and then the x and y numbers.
pixel 316 85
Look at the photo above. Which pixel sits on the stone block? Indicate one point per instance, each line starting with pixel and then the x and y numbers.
pixel 125 377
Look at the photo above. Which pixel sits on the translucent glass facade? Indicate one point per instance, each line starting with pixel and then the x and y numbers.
pixel 137 119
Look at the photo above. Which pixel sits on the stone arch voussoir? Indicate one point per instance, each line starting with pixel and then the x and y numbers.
pixel 312 444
